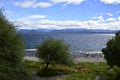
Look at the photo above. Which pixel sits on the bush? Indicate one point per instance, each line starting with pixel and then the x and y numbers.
pixel 11 52
pixel 112 51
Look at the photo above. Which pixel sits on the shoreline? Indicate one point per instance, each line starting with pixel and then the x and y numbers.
pixel 32 52
pixel 80 59
pixel 79 56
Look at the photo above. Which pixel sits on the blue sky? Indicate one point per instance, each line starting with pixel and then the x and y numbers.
pixel 63 14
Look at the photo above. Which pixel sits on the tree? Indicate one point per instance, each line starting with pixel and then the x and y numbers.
pixel 54 51
pixel 11 51
pixel 112 51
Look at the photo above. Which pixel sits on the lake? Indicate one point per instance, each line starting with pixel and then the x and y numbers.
pixel 86 42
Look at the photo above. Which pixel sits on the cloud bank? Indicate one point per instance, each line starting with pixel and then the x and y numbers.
pixel 96 22
pixel 52 24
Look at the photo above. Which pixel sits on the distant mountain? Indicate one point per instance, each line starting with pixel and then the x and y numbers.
pixel 86 30
pixel 33 30
pixel 66 31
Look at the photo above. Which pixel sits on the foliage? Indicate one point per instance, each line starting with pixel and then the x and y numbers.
pixel 54 51
pixel 11 51
pixel 79 71
pixel 113 74
pixel 112 51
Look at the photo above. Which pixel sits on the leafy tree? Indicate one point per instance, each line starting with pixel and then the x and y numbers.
pixel 54 51
pixel 11 51
pixel 112 51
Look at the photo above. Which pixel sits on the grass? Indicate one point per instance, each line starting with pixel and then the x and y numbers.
pixel 53 69
pixel 88 71
pixel 80 71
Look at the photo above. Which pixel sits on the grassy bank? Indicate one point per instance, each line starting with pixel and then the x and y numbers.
pixel 79 71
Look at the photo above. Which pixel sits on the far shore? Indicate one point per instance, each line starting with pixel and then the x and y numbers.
pixel 80 59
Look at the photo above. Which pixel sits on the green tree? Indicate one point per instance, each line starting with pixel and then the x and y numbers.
pixel 54 51
pixel 11 51
pixel 112 51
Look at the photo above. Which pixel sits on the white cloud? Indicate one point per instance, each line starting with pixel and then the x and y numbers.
pixel 119 18
pixel 115 25
pixel 109 14
pixel 66 2
pixel 33 4
pixel 110 19
pixel 118 12
pixel 30 18
pixel 25 4
pixel 111 1
pixel 51 24
pixel 37 16
pixel 42 5
pixel 98 18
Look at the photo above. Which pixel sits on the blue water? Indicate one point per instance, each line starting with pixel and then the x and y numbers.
pixel 77 41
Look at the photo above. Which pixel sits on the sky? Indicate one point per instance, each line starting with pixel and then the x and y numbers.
pixel 63 14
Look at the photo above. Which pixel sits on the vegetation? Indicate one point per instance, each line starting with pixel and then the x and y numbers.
pixel 113 74
pixel 112 55
pixel 79 71
pixel 11 52
pixel 55 54
pixel 112 51
pixel 54 51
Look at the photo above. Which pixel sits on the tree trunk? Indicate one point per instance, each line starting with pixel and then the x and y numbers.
pixel 46 67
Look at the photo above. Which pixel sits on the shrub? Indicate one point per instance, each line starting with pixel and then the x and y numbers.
pixel 112 51
pixel 11 52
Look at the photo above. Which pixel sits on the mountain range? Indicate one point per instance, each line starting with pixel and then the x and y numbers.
pixel 66 31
